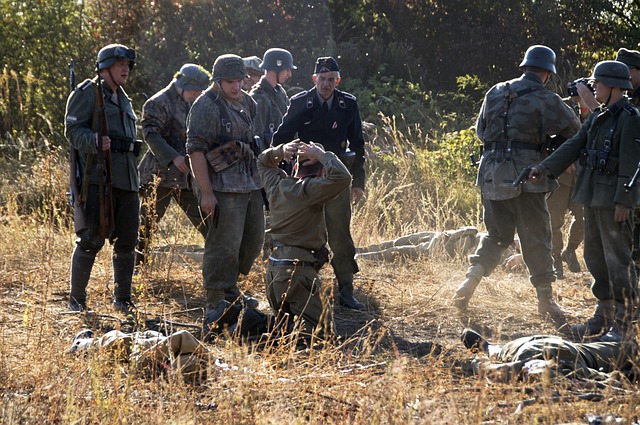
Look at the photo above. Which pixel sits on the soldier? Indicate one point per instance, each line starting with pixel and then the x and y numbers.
pixel 331 117
pixel 515 119
pixel 298 230
pixel 254 72
pixel 165 131
pixel 269 94
pixel 115 61
pixel 222 153
pixel 608 145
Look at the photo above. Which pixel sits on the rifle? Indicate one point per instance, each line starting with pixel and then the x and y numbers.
pixel 76 173
pixel 103 166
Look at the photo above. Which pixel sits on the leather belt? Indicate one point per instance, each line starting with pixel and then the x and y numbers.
pixel 514 145
pixel 290 263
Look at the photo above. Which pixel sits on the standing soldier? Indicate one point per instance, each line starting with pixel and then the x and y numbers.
pixel 608 146
pixel 254 72
pixel 331 117
pixel 164 128
pixel 82 119
pixel 269 94
pixel 515 119
pixel 222 153
pixel 299 231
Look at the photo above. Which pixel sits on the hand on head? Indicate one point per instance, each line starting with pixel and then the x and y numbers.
pixel 309 153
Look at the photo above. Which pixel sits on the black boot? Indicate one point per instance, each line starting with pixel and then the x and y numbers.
pixel 622 329
pixel 557 266
pixel 123 264
pixel 233 294
pixel 81 265
pixel 569 256
pixel 474 341
pixel 599 323
pixel 345 296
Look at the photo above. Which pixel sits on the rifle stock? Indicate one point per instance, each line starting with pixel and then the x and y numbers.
pixel 75 173
pixel 103 167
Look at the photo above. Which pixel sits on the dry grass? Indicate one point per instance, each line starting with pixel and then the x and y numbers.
pixel 399 362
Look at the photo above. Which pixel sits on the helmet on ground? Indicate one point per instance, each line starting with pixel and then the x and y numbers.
pixel 540 57
pixel 113 53
pixel 612 74
pixel 192 77
pixel 277 60
pixel 229 67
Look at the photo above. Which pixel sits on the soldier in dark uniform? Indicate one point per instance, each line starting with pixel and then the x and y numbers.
pixel 222 153
pixel 515 119
pixel 298 229
pixel 164 128
pixel 115 61
pixel 254 72
pixel 331 117
pixel 608 145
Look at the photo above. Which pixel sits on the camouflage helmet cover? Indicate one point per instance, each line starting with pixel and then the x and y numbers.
pixel 612 74
pixel 277 60
pixel 192 77
pixel 541 57
pixel 229 67
pixel 113 53
pixel 253 63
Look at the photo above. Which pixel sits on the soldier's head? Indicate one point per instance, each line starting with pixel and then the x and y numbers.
pixel 307 162
pixel 279 61
pixel 326 76
pixel 254 72
pixel 610 80
pixel 631 58
pixel 228 73
pixel 191 81
pixel 114 63
pixel 540 60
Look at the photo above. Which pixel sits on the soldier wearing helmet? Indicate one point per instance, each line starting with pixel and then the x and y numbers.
pixel 631 58
pixel 253 64
pixel 114 62
pixel 608 146
pixel 222 153
pixel 514 122
pixel 164 128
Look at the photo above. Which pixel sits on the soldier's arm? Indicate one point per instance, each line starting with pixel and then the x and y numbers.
pixel 155 114
pixel 356 144
pixel 629 156
pixel 79 120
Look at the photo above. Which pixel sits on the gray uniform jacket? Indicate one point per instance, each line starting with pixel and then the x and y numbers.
pixel 601 184
pixel 80 131
pixel 272 104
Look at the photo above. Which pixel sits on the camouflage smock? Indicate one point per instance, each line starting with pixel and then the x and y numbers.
pixel 164 127
pixel 121 121
pixel 206 131
pixel 272 104
pixel 532 116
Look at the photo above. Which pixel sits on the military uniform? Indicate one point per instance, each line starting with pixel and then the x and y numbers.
pixel 600 186
pixel 235 236
pixel 298 231
pixel 272 103
pixel 164 128
pixel 533 114
pixel 80 131
pixel 336 128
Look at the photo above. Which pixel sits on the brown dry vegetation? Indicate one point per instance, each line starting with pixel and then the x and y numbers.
pixel 399 362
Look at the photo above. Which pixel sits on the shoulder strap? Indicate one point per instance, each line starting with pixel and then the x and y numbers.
pixel 225 121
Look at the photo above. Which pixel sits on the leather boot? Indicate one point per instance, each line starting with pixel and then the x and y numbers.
pixel 569 256
pixel 548 306
pixel 123 264
pixel 214 296
pixel 557 266
pixel 465 292
pixel 345 295
pixel 233 294
pixel 599 323
pixel 622 329
pixel 474 341
pixel 81 265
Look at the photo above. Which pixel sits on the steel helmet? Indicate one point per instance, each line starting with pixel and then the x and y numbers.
pixel 229 67
pixel 113 53
pixel 277 60
pixel 541 57
pixel 252 63
pixel 192 77
pixel 612 74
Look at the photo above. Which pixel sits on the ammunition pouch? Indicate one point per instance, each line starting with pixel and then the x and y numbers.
pixel 322 257
pixel 125 144
pixel 599 160
pixel 227 154
pixel 347 158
